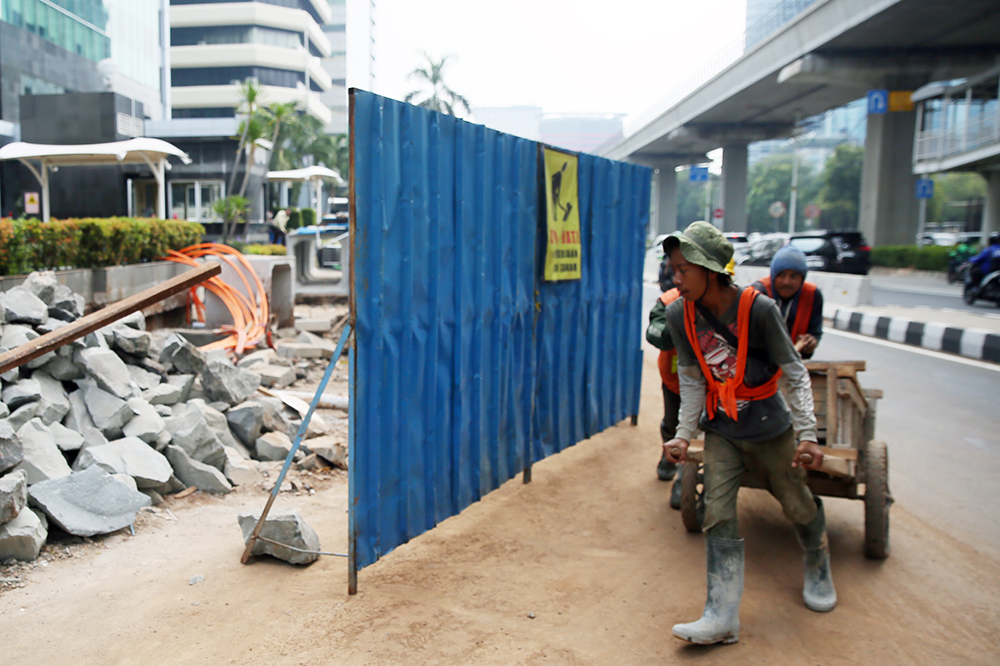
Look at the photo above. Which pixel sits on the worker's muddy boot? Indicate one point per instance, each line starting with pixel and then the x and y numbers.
pixel 720 623
pixel 817 588
pixel 675 492
pixel 666 469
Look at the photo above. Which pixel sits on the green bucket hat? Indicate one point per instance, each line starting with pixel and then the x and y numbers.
pixel 701 244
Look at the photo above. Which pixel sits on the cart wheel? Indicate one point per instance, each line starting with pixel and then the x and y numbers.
pixel 877 500
pixel 692 497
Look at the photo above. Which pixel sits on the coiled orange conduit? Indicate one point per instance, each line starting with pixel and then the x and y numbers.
pixel 250 314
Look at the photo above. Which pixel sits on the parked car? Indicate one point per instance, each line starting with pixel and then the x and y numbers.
pixel 834 251
pixel 762 250
pixel 740 242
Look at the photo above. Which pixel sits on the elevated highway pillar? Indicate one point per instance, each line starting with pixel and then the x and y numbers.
pixel 734 187
pixel 888 210
pixel 665 182
pixel 991 211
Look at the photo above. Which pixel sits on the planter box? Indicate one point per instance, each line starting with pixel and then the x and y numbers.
pixel 277 275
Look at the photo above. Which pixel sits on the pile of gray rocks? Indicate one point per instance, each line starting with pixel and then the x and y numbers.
pixel 108 424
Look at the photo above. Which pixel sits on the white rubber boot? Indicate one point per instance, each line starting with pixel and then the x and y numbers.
pixel 720 623
pixel 817 588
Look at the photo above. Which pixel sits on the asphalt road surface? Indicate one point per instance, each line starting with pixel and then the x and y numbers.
pixel 919 290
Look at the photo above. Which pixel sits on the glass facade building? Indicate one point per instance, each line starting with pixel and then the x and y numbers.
pixel 79 26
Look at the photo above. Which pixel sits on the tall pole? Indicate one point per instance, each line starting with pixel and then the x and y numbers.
pixel 708 198
pixel 921 222
pixel 795 185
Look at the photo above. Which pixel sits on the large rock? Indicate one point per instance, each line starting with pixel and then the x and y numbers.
pixel 164 394
pixel 198 474
pixel 329 448
pixel 273 446
pixel 66 304
pixel 15 335
pixel 275 376
pixel 42 284
pixel 239 470
pixel 132 341
pixel 276 417
pixel 13 495
pixel 22 415
pixel 246 420
pixel 62 368
pixel 66 439
pixel 218 423
pixel 54 403
pixel 285 526
pixel 223 381
pixel 51 324
pixel 88 502
pixel 21 393
pixel 131 456
pixel 11 451
pixel 79 418
pixel 23 537
pixel 185 383
pixel 107 369
pixel 182 356
pixel 147 425
pixel 11 375
pixel 43 460
pixel 143 378
pixel 23 307
pixel 108 412
pixel 190 432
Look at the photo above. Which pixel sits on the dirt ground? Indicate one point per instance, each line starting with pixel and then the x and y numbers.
pixel 585 565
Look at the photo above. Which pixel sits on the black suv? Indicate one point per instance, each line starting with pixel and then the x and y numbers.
pixel 834 251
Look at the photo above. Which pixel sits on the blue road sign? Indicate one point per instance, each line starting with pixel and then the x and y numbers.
pixel 878 101
pixel 699 174
pixel 925 188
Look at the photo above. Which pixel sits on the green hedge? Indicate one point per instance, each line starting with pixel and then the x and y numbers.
pixel 28 244
pixel 271 250
pixel 308 217
pixel 927 258
pixel 294 219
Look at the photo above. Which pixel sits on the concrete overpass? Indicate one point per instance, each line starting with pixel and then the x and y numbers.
pixel 830 53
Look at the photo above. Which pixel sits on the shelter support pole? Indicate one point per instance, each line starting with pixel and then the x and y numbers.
pixel 45 193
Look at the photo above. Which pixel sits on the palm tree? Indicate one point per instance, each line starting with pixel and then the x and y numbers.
pixel 252 129
pixel 282 116
pixel 251 95
pixel 441 98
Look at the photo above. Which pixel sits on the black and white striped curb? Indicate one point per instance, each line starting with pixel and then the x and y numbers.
pixel 969 342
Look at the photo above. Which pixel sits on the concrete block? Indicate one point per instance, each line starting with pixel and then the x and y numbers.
pixel 275 376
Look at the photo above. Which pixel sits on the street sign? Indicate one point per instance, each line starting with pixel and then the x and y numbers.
pixel 719 213
pixel 699 174
pixel 777 209
pixel 812 211
pixel 925 188
pixel 901 100
pixel 31 205
pixel 878 101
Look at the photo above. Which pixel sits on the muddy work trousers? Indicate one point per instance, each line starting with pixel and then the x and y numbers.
pixel 771 462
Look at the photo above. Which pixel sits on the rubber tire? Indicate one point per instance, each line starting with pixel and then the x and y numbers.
pixel 968 295
pixel 877 500
pixel 692 499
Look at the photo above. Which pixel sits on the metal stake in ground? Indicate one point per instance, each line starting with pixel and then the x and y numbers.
pixel 295 446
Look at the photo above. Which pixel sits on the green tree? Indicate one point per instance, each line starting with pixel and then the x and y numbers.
pixel 251 95
pixel 440 98
pixel 282 115
pixel 841 190
pixel 770 180
pixel 958 197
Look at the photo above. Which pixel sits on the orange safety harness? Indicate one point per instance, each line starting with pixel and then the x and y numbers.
pixel 667 361
pixel 732 389
pixel 804 309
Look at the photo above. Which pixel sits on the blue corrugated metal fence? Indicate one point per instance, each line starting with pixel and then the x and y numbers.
pixel 466 366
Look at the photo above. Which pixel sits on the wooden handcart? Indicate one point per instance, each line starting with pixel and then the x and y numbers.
pixel 855 465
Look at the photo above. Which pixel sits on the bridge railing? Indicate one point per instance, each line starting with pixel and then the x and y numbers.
pixel 962 136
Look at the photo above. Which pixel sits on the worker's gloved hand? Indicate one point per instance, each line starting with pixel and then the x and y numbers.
pixel 806 344
pixel 676 450
pixel 812 449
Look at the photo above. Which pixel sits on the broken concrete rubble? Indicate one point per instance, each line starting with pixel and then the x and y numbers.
pixel 193 473
pixel 23 537
pixel 129 455
pixel 107 369
pixel 180 355
pixel 23 307
pixel 13 495
pixel 88 502
pixel 273 446
pixel 285 526
pixel 11 450
pixel 43 461
pixel 223 381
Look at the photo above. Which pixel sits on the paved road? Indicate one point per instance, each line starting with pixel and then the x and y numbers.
pixel 914 290
pixel 941 422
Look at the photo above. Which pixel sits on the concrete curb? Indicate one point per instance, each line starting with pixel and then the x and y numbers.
pixel 968 342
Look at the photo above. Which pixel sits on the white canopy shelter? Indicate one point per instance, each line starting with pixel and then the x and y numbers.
pixel 314 175
pixel 42 159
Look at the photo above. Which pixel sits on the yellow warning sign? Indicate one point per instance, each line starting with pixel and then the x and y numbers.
pixel 562 216
pixel 31 202
pixel 900 100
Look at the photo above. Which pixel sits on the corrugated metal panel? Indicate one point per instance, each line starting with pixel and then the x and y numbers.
pixel 454 367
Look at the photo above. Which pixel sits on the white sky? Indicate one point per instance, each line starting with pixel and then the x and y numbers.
pixel 598 56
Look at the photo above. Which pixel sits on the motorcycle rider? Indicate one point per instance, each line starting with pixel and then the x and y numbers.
pixel 986 261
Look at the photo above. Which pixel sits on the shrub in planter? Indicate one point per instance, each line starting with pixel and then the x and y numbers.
pixel 267 250
pixel 928 258
pixel 294 219
pixel 308 217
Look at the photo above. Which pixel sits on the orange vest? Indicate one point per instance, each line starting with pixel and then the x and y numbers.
pixel 668 359
pixel 804 309
pixel 733 389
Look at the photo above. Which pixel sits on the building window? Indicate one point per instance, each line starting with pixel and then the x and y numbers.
pixel 220 76
pixel 194 200
pixel 79 26
pixel 235 34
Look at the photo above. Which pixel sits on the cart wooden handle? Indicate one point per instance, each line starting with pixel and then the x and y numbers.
pixel 805 459
pixel 675 451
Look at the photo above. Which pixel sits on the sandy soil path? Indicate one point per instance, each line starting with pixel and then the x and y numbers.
pixel 585 565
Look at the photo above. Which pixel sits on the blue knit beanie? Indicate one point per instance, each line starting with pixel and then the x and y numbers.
pixel 788 258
